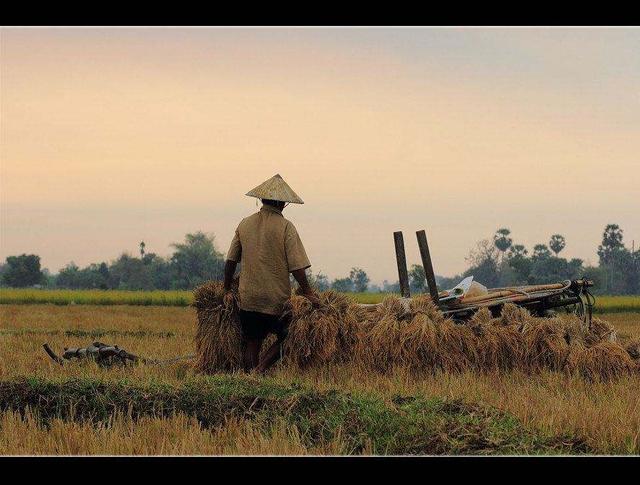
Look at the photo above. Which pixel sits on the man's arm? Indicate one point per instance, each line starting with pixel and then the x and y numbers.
pixel 229 270
pixel 301 277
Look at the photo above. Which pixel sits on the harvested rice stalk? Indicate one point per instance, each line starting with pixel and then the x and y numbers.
pixel 380 344
pixel 458 348
pixel 321 335
pixel 218 338
pixel 424 304
pixel 633 349
pixel 499 347
pixel 600 331
pixel 603 361
pixel 416 336
pixel 419 343
pixel 482 316
pixel 380 347
pixel 513 315
pixel 544 343
pixel 391 306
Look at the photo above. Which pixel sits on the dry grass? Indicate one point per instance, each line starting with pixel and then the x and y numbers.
pixel 606 414
pixel 177 435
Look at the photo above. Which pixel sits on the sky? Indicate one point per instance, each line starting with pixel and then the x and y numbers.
pixel 111 136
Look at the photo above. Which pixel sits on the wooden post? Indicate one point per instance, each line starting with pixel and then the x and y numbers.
pixel 426 264
pixel 403 275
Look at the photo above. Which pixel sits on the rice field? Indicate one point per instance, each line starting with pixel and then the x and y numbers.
pixel 26 296
pixel 604 304
pixel 336 409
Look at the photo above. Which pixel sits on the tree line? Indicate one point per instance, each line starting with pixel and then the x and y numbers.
pixel 500 262
pixel 494 262
pixel 193 262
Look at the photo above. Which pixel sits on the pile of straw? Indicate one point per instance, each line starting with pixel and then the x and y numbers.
pixel 603 360
pixel 328 333
pixel 418 337
pixel 218 338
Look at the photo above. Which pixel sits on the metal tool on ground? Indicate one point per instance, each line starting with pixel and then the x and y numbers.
pixel 106 355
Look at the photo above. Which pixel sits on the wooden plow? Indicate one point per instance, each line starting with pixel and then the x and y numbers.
pixel 540 300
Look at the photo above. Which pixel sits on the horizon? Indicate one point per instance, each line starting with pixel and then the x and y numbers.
pixel 114 136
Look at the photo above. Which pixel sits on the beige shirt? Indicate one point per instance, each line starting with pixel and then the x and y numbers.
pixel 270 249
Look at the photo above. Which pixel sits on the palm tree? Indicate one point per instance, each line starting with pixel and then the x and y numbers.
pixel 557 243
pixel 502 240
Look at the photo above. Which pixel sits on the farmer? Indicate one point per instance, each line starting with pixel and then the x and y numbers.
pixel 269 247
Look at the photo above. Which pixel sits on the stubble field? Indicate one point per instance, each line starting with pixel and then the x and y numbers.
pixel 169 409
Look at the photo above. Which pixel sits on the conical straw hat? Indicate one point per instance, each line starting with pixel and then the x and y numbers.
pixel 275 189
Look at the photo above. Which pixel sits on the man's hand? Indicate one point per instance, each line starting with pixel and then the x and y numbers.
pixel 228 298
pixel 307 291
pixel 313 298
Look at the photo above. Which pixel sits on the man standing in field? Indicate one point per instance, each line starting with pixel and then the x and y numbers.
pixel 269 247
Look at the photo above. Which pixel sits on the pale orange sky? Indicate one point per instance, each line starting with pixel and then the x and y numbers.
pixel 113 136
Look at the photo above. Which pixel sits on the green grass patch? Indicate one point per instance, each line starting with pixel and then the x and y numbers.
pixel 95 297
pixel 604 304
pixel 617 304
pixel 406 425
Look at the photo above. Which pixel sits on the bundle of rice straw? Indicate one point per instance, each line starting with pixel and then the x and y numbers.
pixel 545 344
pixel 633 349
pixel 419 343
pixel 218 337
pixel 600 331
pixel 321 335
pixel 458 347
pixel 602 361
pixel 380 346
pixel 416 336
pixel 499 343
pixel 421 339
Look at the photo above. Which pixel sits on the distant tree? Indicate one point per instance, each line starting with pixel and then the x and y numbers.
pixel 622 272
pixel 103 270
pixel 142 246
pixel 517 250
pixel 319 280
pixel 390 287
pixel 551 269
pixel 445 283
pixel 3 268
pixel 48 280
pixel 129 273
pixel 22 271
pixel 343 285
pixel 93 276
pixel 502 240
pixel 162 272
pixel 417 278
pixel 484 263
pixel 68 276
pixel 557 243
pixel 484 250
pixel 196 260
pixel 611 243
pixel 541 251
pixel 520 266
pixel 359 279
pixel 486 272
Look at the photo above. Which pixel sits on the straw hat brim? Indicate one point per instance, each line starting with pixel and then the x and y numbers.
pixel 275 189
